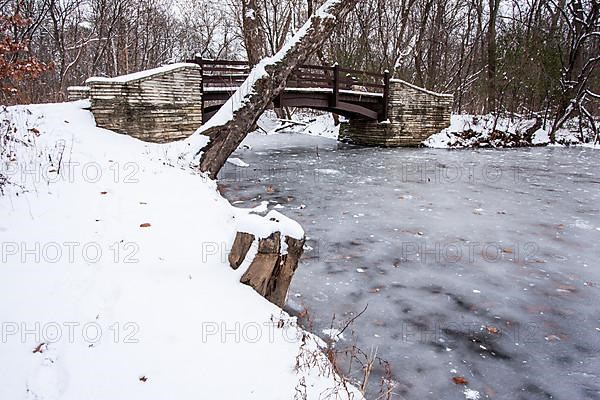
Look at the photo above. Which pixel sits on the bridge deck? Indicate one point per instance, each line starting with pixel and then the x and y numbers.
pixel 352 93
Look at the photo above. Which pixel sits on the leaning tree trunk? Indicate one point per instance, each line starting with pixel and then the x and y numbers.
pixel 235 119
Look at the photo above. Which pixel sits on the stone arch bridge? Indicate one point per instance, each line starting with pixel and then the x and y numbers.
pixel 171 102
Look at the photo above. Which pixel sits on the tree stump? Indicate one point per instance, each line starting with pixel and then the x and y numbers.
pixel 270 273
pixel 240 248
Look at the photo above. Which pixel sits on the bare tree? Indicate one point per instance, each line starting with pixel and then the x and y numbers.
pixel 582 57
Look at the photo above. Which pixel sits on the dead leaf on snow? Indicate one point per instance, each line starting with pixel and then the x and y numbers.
pixel 39 348
pixel 459 380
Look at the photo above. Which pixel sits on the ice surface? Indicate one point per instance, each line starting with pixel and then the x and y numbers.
pixel 385 227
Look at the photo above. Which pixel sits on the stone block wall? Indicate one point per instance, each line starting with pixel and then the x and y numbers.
pixel 414 115
pixel 157 105
pixel 78 93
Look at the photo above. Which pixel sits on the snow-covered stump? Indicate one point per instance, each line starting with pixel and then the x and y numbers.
pixel 158 105
pixel 271 271
pixel 414 115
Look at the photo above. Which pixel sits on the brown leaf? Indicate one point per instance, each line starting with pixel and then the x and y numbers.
pixel 459 380
pixel 39 348
pixel 303 313
pixel 145 225
pixel 492 329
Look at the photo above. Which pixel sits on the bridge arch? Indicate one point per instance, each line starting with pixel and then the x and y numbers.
pixel 350 104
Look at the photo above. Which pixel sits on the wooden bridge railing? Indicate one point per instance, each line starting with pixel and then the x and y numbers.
pixel 228 75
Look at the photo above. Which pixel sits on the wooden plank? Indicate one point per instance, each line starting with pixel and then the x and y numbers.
pixel 359 72
pixel 357 109
pixel 336 86
pixel 319 67
pixel 224 62
pixel 360 83
pixel 209 68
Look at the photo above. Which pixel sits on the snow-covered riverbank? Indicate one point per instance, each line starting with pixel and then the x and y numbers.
pixel 472 131
pixel 114 277
pixel 465 131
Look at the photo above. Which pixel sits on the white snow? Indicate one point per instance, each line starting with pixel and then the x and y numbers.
pixel 470 130
pixel 141 74
pixel 274 221
pixel 78 88
pixel 421 89
pixel 237 162
pixel 115 281
pixel 333 334
pixel 471 394
pixel 308 122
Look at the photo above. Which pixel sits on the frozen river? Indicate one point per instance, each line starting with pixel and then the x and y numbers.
pixel 482 265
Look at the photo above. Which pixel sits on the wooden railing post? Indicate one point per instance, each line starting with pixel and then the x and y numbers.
pixel 386 95
pixel 336 85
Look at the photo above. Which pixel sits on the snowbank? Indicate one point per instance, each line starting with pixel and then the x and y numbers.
pixel 114 277
pixel 485 131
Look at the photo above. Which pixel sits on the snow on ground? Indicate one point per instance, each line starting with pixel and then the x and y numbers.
pixel 115 282
pixel 485 131
pixel 314 123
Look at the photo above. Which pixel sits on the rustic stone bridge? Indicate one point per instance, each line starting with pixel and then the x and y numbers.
pixel 171 102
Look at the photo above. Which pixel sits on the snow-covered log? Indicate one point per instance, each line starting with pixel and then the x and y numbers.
pixel 234 120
